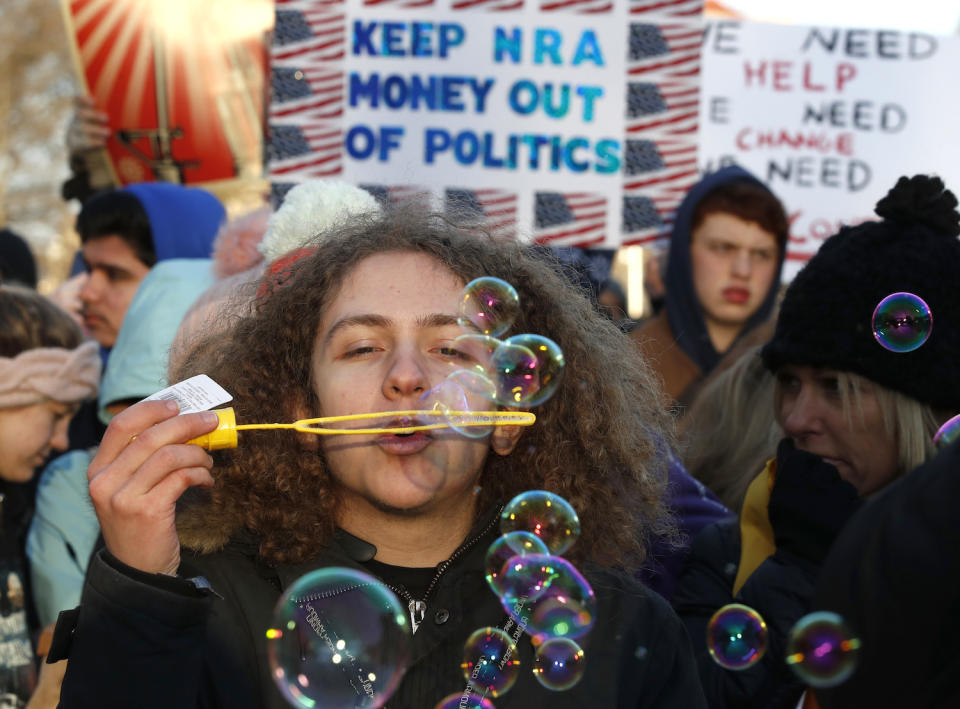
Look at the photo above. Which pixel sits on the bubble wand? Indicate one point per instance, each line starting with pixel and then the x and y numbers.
pixel 225 435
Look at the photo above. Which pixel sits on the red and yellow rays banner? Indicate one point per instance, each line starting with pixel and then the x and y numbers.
pixel 183 82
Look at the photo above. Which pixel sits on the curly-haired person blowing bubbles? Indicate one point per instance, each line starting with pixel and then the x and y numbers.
pixel 366 324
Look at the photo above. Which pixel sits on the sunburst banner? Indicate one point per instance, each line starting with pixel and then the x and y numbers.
pixel 183 83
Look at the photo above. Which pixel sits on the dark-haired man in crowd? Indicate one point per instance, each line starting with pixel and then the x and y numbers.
pixel 125 232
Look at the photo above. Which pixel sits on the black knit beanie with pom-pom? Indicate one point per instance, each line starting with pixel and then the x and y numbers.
pixel 827 312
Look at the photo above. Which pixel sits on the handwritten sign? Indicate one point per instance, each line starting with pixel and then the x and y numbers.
pixel 829 118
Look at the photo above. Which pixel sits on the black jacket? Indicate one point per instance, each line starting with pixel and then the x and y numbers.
pixel 894 577
pixel 780 590
pixel 147 641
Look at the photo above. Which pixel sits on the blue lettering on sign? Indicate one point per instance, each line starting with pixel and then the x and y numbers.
pixel 503 44
pixel 588 49
pixel 589 93
pixel 609 153
pixel 525 97
pixel 547 47
pixel 400 39
pixel 531 151
pixel 360 142
pixel 547 42
pixel 456 94
pixel 576 166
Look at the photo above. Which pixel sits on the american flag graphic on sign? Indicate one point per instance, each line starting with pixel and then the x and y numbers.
pixel 305 151
pixel 309 29
pixel 405 4
pixel 570 218
pixel 495 209
pixel 662 9
pixel 487 5
pixel 400 195
pixel 578 6
pixel 668 107
pixel 313 91
pixel 668 50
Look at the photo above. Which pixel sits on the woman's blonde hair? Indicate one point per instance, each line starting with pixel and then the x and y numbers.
pixel 730 429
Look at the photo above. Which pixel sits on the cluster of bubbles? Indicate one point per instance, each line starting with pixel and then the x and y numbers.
pixel 821 650
pixel 339 638
pixel 545 596
pixel 521 371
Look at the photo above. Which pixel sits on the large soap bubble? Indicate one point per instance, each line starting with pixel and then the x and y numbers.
pixel 548 597
pixel 821 650
pixel 902 322
pixel 339 639
pixel 736 637
pixel 490 661
pixel 526 370
pixel 545 514
pixel 488 305
pixel 558 664
pixel 505 548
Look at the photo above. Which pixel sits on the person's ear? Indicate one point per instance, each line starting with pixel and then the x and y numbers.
pixel 308 441
pixel 505 438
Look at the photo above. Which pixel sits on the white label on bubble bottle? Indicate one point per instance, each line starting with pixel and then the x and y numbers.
pixel 198 393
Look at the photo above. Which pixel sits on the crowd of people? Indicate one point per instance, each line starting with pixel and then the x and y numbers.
pixel 751 443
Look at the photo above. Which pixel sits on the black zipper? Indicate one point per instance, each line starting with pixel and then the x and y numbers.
pixel 418 609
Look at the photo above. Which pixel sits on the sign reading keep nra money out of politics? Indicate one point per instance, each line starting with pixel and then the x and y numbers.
pixel 571 124
pixel 829 118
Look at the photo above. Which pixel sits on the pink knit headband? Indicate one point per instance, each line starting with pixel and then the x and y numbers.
pixel 66 376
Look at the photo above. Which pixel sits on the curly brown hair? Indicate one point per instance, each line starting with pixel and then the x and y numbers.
pixel 595 442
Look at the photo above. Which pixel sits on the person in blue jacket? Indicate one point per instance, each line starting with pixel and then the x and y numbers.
pixel 125 232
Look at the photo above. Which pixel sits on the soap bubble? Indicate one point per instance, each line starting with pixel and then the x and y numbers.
pixel 736 637
pixel 902 322
pixel 339 638
pixel 948 432
pixel 455 398
pixel 490 661
pixel 545 514
pixel 558 664
pixel 489 305
pixel 821 649
pixel 476 354
pixel 548 597
pixel 526 370
pixel 505 548
pixel 464 700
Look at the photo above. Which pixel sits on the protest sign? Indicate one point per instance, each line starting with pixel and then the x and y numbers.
pixel 572 124
pixel 827 117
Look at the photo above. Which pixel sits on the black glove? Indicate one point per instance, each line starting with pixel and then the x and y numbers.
pixel 809 504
